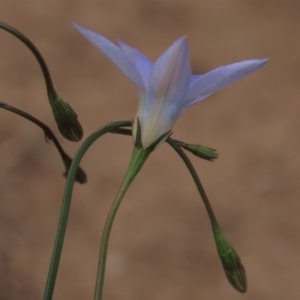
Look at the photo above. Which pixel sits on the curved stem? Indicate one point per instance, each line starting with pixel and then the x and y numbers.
pixel 67 160
pixel 67 203
pixel 35 52
pixel 232 265
pixel 138 159
pixel 197 181
pixel 64 115
pixel 175 144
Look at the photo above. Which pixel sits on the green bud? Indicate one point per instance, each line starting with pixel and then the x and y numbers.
pixel 80 174
pixel 200 151
pixel 66 118
pixel 234 270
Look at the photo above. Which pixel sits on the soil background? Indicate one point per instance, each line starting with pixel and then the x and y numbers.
pixel 161 245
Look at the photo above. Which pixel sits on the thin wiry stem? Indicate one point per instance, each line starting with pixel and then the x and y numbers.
pixel 67 160
pixel 35 52
pixel 138 159
pixel 197 181
pixel 64 214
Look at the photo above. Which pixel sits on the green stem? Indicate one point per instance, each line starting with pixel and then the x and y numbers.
pixel 138 159
pixel 58 245
pixel 81 176
pixel 197 181
pixel 234 270
pixel 35 52
pixel 175 145
pixel 64 115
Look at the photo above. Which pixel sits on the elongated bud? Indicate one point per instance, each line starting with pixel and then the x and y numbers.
pixel 66 118
pixel 234 270
pixel 200 151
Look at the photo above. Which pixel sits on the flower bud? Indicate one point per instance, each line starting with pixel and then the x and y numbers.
pixel 200 151
pixel 234 270
pixel 66 118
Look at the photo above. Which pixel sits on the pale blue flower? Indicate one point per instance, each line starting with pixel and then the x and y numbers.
pixel 166 88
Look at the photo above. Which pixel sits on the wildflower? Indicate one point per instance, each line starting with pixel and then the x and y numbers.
pixel 166 88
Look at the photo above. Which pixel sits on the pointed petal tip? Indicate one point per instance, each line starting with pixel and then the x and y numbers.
pixel 77 27
pixel 262 61
pixel 181 44
pixel 85 32
pixel 256 63
pixel 183 40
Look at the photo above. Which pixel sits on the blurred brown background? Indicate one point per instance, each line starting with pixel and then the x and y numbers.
pixel 161 246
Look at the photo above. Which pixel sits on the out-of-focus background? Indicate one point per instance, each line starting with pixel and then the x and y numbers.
pixel 161 245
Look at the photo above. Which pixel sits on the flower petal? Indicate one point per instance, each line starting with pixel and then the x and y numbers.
pixel 219 78
pixel 169 82
pixel 114 54
pixel 142 63
pixel 170 76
